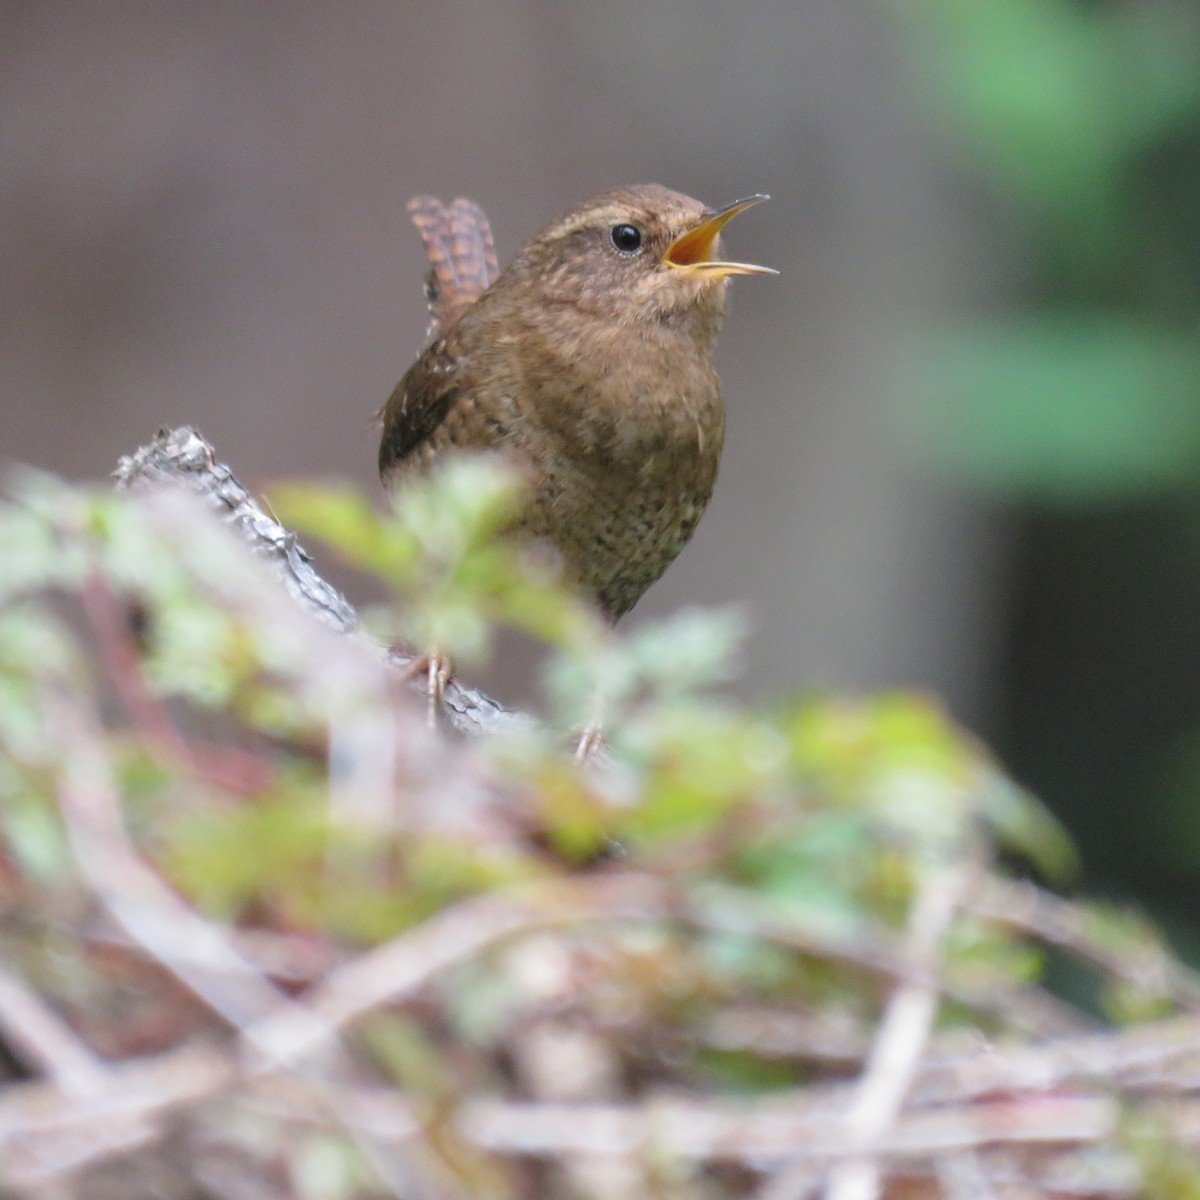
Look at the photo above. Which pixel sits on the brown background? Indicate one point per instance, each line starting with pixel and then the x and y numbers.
pixel 202 220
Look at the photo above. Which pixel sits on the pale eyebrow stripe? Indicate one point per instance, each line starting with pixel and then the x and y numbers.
pixel 586 221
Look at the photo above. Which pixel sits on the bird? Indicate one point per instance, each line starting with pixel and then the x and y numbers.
pixel 587 365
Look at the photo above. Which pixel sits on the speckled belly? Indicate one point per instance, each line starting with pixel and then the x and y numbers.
pixel 615 542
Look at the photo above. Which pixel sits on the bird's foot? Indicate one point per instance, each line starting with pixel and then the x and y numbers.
pixel 437 670
pixel 590 740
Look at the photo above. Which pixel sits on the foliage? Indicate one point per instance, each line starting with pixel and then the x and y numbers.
pixel 223 825
pixel 1082 121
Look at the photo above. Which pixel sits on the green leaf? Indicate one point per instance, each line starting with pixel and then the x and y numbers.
pixel 343 518
pixel 33 833
pixel 326 1167
pixel 1052 99
pixel 1059 407
pixel 1024 824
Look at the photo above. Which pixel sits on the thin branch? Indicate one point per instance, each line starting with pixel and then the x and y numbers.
pixel 761 1133
pixel 194 950
pixel 1021 905
pixel 400 967
pixel 227 767
pixel 900 1038
pixel 45 1041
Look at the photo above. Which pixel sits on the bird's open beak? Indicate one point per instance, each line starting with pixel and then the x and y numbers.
pixel 692 251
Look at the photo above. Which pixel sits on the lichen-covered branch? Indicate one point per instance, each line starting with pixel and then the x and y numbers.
pixel 184 458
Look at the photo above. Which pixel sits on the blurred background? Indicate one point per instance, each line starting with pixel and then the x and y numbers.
pixel 964 423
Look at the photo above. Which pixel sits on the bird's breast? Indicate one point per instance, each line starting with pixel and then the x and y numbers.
pixel 633 464
pixel 636 408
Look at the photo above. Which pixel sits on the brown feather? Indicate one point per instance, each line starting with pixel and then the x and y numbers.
pixel 472 251
pixel 588 369
pixel 461 254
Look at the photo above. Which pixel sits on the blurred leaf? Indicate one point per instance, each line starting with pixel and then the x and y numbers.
pixel 1024 824
pixel 700 762
pixel 198 652
pixel 32 833
pixel 1052 98
pixel 666 660
pixel 979 956
pixel 404 1049
pixel 1061 408
pixel 868 751
pixel 463 503
pixel 694 648
pixel 32 553
pixel 326 1167
pixel 747 961
pixel 343 518
pixel 226 859
pixel 36 651
pixel 1128 1003
pixel 578 822
pixel 1169 1170
pixel 741 1071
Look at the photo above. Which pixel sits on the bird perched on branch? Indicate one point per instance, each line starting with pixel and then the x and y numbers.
pixel 588 364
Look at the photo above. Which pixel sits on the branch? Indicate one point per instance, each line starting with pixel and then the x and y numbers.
pixel 1037 913
pixel 183 458
pixel 44 1040
pixel 901 1037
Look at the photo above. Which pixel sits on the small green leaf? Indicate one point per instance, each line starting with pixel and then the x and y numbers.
pixel 1024 824
pixel 342 517
pixel 33 834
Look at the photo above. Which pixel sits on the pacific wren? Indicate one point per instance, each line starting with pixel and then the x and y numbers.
pixel 588 363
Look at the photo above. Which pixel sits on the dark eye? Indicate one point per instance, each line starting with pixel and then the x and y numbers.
pixel 626 238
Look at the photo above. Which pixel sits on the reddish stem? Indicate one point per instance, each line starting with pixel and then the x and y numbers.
pixel 226 767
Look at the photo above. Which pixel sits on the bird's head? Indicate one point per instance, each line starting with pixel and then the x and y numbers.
pixel 634 255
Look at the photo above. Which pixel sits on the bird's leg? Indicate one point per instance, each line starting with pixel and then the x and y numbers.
pixel 437 675
pixel 592 735
pixel 590 740
pixel 438 670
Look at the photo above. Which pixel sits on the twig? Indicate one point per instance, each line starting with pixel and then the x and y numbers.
pixel 226 766
pixel 194 950
pixel 763 1133
pixel 45 1040
pixel 1163 1056
pixel 398 968
pixel 720 1133
pixel 44 1134
pixel 1023 906
pixel 171 931
pixel 900 1038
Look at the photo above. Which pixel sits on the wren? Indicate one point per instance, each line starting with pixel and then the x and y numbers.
pixel 587 364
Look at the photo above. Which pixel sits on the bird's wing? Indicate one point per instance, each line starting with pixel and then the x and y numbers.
pixel 417 407
pixel 462 266
pixel 461 253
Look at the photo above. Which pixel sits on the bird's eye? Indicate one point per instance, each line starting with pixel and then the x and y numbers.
pixel 626 238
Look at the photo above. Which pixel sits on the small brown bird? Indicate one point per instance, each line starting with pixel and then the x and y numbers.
pixel 589 365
